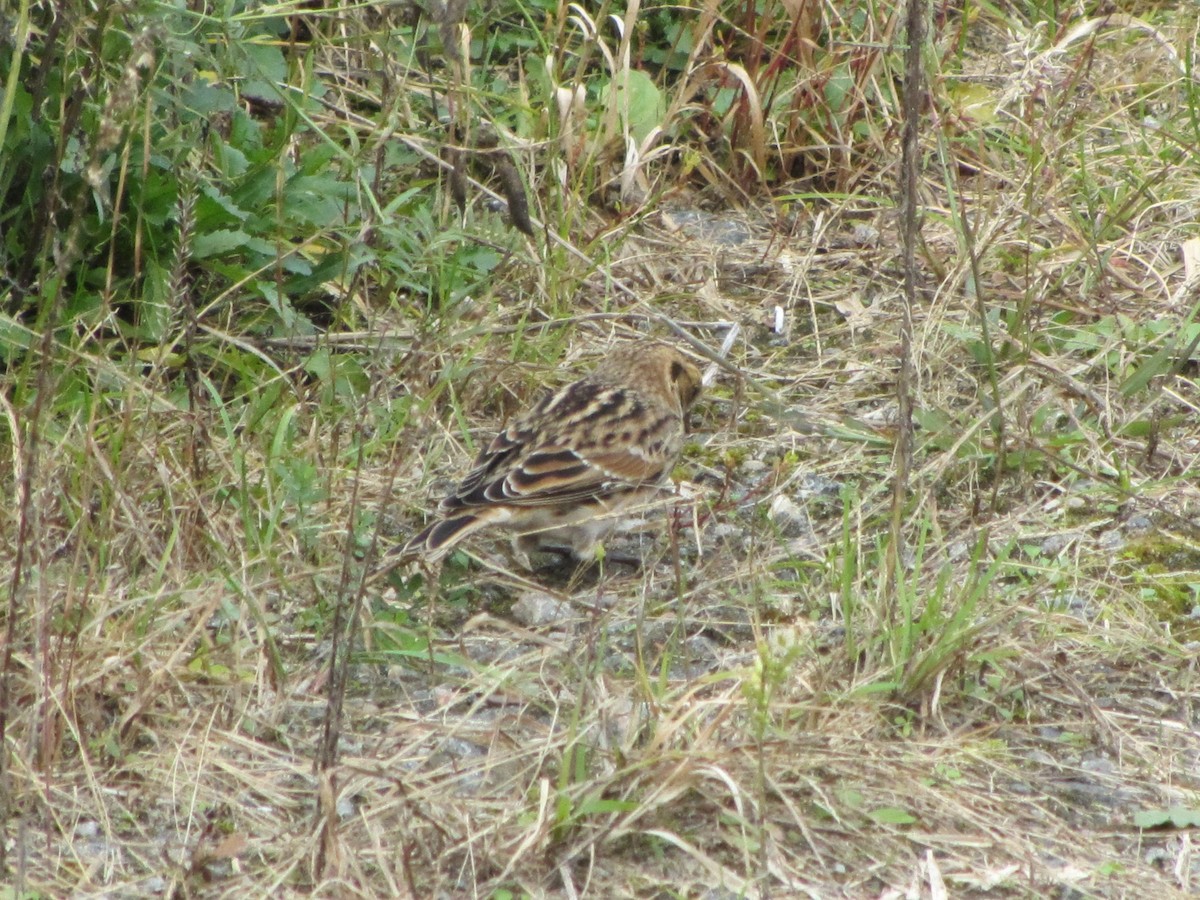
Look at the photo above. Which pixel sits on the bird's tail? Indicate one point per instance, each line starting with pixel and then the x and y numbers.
pixel 436 540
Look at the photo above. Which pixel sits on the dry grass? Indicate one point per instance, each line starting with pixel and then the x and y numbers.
pixel 750 713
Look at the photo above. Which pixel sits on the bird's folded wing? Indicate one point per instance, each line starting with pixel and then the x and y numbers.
pixel 558 475
pixel 496 458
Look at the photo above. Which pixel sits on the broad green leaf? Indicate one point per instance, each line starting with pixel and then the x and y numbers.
pixel 892 815
pixel 265 69
pixel 640 103
pixel 1176 817
pixel 216 243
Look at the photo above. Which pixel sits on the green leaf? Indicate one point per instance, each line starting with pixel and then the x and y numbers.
pixel 153 308
pixel 316 199
pixel 341 375
pixel 291 321
pixel 1158 364
pixel 640 103
pixel 215 208
pixel 14 338
pixel 839 87
pixel 1176 817
pixel 974 99
pixel 1151 818
pixel 850 797
pixel 217 243
pixel 877 687
pixel 206 100
pixel 266 68
pixel 892 815
pixel 600 806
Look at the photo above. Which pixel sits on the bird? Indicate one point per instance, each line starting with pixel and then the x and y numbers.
pixel 558 475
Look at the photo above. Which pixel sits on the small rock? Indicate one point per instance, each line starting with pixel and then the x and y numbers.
pixel 534 609
pixel 87 828
pixel 1079 605
pixel 702 657
pixel 807 546
pixel 1057 543
pixel 1158 856
pixel 958 550
pixel 819 486
pixel 732 535
pixel 1139 525
pixel 460 748
pixel 1042 758
pixel 865 235
pixel 788 516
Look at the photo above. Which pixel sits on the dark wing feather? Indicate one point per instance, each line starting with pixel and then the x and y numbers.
pixel 561 452
pixel 498 456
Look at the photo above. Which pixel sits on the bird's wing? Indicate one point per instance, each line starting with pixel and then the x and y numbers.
pixel 555 475
pixel 535 463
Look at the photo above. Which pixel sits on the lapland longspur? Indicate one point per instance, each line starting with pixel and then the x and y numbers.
pixel 559 474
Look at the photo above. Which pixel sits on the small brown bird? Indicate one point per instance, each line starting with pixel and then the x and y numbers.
pixel 557 476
